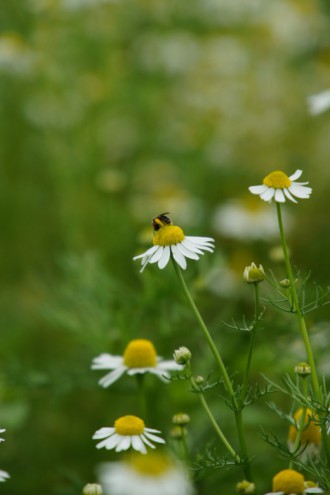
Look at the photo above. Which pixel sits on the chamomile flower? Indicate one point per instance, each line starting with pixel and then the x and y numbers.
pixel 145 475
pixel 170 241
pixel 279 186
pixel 128 431
pixel 139 357
pixel 291 482
pixel 311 434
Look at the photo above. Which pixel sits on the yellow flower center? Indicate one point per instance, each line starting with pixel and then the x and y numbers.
pixel 140 353
pixel 129 425
pixel 288 481
pixel 153 464
pixel 278 180
pixel 168 235
pixel 312 434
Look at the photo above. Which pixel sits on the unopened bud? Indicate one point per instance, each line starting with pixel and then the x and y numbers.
pixel 303 370
pixel 182 355
pixel 199 380
pixel 181 419
pixel 92 489
pixel 177 433
pixel 245 487
pixel 285 283
pixel 253 275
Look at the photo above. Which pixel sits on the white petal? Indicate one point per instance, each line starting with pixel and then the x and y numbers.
pixel 313 490
pixel 4 475
pixel 268 195
pixel 148 253
pixel 103 432
pixel 195 247
pixel 152 430
pixel 300 191
pixel 1 431
pixel 110 378
pixel 152 437
pixel 296 175
pixel 187 252
pixel 147 442
pixel 124 443
pixel 135 371
pixel 161 374
pixel 201 240
pixel 138 444
pixel 165 257
pixel 110 443
pixel 279 196
pixel 157 255
pixel 288 195
pixel 258 189
pixel 169 365
pixel 179 258
pixel 106 362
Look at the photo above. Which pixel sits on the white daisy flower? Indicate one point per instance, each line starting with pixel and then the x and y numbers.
pixel 279 186
pixel 128 431
pixel 145 475
pixel 139 357
pixel 170 241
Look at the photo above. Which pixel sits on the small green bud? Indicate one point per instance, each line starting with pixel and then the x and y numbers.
pixel 92 489
pixel 285 283
pixel 181 419
pixel 182 355
pixel 245 487
pixel 199 380
pixel 177 433
pixel 253 275
pixel 303 370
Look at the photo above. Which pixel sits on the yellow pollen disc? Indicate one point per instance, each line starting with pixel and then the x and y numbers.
pixel 129 425
pixel 153 464
pixel 168 235
pixel 140 353
pixel 278 180
pixel 288 481
pixel 312 434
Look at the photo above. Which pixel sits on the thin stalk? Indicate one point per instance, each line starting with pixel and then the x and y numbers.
pixel 184 444
pixel 228 384
pixel 252 340
pixel 215 424
pixel 302 326
pixel 301 421
pixel 142 395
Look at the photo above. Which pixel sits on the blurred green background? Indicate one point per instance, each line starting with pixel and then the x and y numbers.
pixel 111 112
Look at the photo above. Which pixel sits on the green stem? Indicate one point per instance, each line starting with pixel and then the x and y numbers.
pixel 184 444
pixel 252 340
pixel 302 326
pixel 301 421
pixel 228 384
pixel 214 423
pixel 142 395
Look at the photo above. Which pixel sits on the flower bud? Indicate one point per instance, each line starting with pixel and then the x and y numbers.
pixel 182 355
pixel 92 489
pixel 199 380
pixel 303 370
pixel 177 433
pixel 285 283
pixel 181 419
pixel 245 487
pixel 253 275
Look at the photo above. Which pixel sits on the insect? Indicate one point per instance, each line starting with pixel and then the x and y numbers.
pixel 161 221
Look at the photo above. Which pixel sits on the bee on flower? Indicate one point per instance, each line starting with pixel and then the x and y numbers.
pixel 170 242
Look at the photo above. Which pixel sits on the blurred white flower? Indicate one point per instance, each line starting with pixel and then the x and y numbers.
pixel 155 473
pixel 128 431
pixel 139 357
pixel 245 220
pixel 319 102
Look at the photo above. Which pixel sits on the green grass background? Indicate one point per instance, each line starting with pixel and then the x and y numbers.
pixel 110 113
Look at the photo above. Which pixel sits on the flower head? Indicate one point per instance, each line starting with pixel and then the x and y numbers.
pixel 92 489
pixel 170 241
pixel 279 186
pixel 128 431
pixel 254 275
pixel 139 357
pixel 311 433
pixel 288 481
pixel 145 475
pixel 245 487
